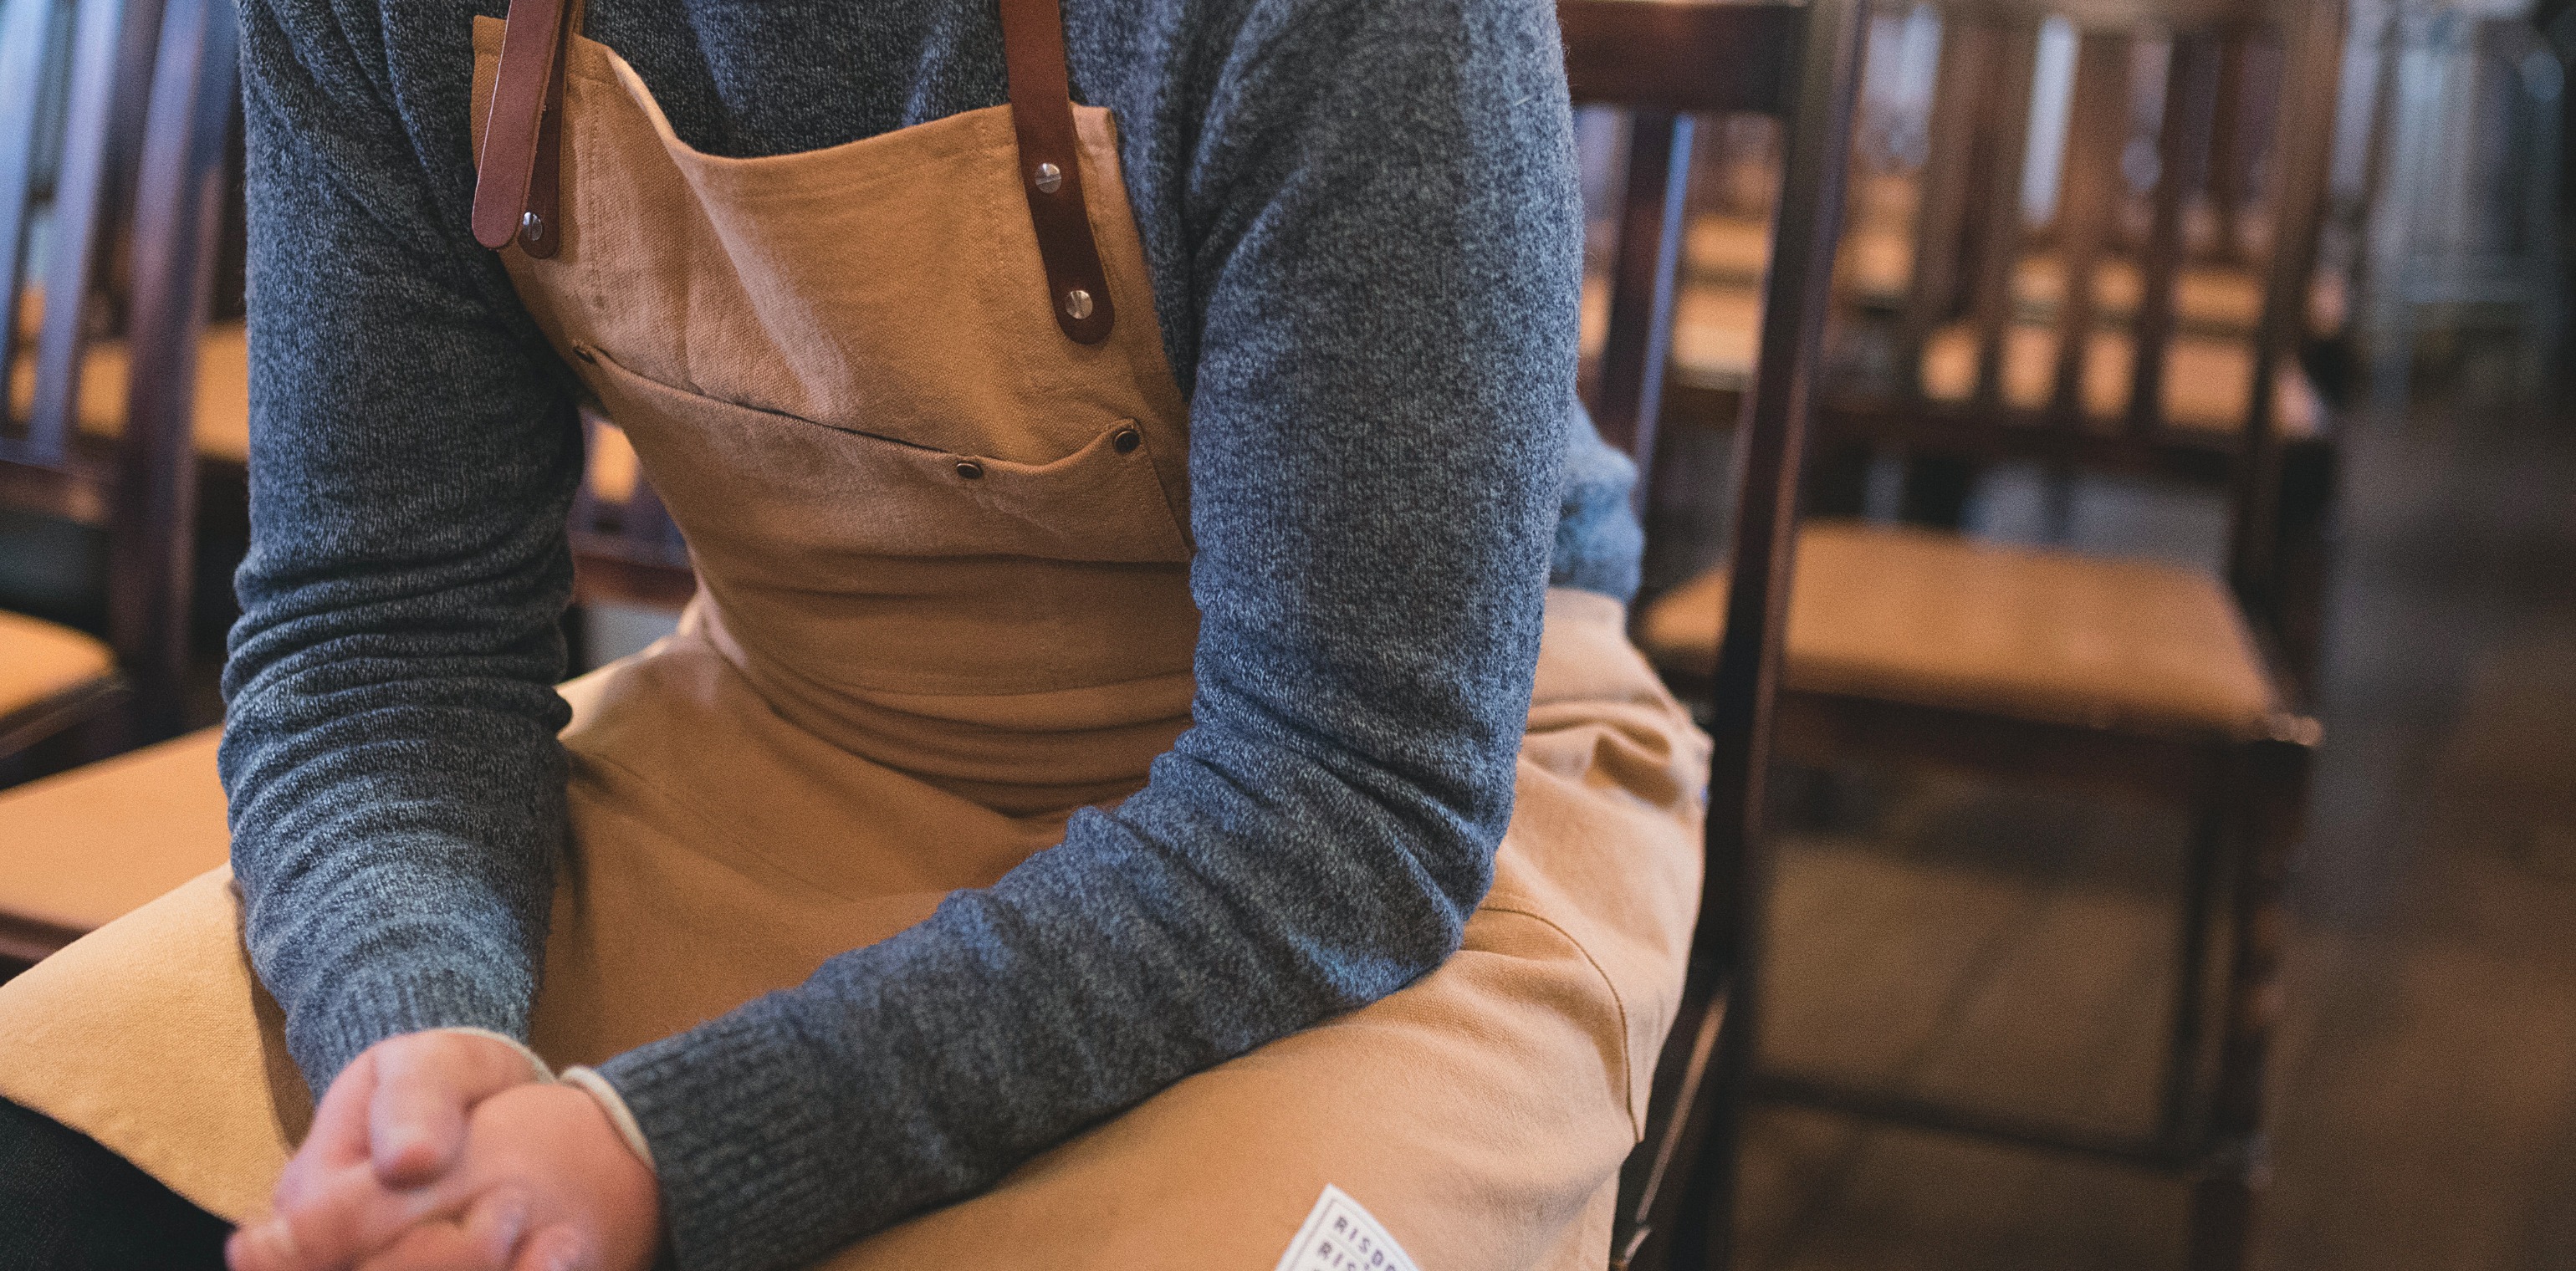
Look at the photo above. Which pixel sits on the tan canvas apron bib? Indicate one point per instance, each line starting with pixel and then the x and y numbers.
pixel 944 603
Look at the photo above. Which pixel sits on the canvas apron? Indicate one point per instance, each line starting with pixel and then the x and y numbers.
pixel 944 601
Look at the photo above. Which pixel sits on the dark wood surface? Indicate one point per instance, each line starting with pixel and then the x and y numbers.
pixel 1685 58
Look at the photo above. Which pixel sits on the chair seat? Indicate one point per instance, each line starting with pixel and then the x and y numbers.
pixel 85 847
pixel 1872 265
pixel 1715 327
pixel 1934 619
pixel 40 660
pixel 2208 379
pixel 223 391
pixel 2219 299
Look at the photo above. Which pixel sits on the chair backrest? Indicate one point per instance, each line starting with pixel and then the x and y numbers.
pixel 114 136
pixel 1663 63
pixel 2194 163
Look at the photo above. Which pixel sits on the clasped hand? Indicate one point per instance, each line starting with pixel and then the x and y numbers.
pixel 443 1152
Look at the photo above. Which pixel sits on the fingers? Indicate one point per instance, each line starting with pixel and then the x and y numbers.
pixel 484 1241
pixel 558 1248
pixel 339 1134
pixel 425 1084
pixel 343 1215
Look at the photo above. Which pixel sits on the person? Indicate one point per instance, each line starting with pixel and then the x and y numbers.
pixel 1154 758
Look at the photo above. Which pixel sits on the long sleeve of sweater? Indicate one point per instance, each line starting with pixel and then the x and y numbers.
pixel 1362 220
pixel 397 792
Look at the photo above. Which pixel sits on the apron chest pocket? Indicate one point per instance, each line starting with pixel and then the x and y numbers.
pixel 798 486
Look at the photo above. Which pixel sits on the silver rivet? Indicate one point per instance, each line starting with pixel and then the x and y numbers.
pixel 1077 304
pixel 532 226
pixel 1050 178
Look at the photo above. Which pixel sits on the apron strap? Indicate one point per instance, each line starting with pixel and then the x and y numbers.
pixel 515 189
pixel 1050 170
pixel 515 185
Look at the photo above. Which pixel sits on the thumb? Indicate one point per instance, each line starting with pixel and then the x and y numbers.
pixel 426 1084
pixel 339 1135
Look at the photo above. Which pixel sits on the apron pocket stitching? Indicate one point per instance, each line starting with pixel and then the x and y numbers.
pixel 1619 1005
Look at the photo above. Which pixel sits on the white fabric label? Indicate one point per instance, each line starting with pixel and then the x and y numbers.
pixel 1340 1236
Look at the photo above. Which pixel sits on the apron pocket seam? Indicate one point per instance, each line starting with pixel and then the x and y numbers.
pixel 1618 1003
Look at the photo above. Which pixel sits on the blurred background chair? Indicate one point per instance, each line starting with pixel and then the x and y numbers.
pixel 2018 265
pixel 2461 188
pixel 118 132
pixel 115 143
pixel 2149 321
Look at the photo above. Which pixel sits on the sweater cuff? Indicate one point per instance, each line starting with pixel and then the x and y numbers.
pixel 735 1117
pixel 362 1010
pixel 613 1106
pixel 539 1072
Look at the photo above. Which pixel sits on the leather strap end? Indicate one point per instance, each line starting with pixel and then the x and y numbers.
pixel 531 51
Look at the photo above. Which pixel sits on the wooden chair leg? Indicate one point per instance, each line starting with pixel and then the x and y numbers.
pixel 1664 1189
pixel 2222 1214
pixel 2187 1014
pixel 2305 559
pixel 2269 790
pixel 1705 1237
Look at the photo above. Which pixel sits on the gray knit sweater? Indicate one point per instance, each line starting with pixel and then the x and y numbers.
pixel 1362 223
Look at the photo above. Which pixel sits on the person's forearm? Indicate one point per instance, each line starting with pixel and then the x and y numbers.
pixel 397 790
pixel 1141 950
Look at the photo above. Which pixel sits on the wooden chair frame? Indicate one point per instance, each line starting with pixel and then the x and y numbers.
pixel 2248 788
pixel 1664 63
pixel 150 168
pixel 2282 487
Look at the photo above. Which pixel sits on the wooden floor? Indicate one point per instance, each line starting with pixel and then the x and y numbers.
pixel 2012 950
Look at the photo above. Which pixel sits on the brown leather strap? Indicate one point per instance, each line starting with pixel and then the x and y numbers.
pixel 521 132
pixel 515 191
pixel 1050 173
pixel 541 230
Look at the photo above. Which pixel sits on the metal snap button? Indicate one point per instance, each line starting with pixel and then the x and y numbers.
pixel 1077 304
pixel 1050 178
pixel 969 469
pixel 1125 440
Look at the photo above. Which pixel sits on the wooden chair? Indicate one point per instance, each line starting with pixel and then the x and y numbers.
pixel 131 153
pixel 2449 79
pixel 1665 63
pixel 2136 679
pixel 2148 335
pixel 2067 328
pixel 80 849
pixel 1956 318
